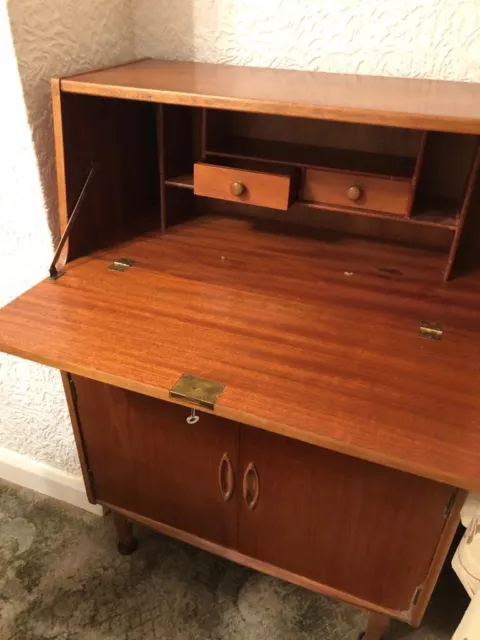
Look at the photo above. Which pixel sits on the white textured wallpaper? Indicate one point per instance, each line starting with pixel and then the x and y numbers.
pixel 429 38
pixel 39 39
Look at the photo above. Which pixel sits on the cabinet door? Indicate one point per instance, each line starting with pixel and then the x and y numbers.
pixel 146 458
pixel 357 527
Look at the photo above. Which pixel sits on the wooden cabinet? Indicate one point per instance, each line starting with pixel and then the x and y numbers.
pixel 144 457
pixel 318 262
pixel 332 519
pixel 340 521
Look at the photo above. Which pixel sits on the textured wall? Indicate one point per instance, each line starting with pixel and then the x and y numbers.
pixel 430 38
pixel 39 39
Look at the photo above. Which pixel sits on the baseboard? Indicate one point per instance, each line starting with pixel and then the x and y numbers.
pixel 40 477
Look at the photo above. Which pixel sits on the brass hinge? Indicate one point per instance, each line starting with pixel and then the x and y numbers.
pixel 73 389
pixel 121 264
pixel 416 596
pixel 449 506
pixel 431 330
pixel 196 390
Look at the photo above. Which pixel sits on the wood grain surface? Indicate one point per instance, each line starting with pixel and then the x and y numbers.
pixel 260 188
pixel 338 520
pixel 377 626
pixel 402 102
pixel 316 338
pixel 145 457
pixel 345 537
pixel 253 563
pixel 376 193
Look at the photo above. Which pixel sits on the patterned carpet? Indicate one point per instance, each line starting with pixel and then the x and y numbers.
pixel 61 578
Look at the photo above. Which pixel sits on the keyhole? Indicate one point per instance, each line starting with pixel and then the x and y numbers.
pixel 193 418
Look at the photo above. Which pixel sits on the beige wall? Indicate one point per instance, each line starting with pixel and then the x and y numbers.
pixel 425 38
pixel 39 39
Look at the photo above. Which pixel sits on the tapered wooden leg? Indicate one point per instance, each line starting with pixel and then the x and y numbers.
pixel 126 542
pixel 377 625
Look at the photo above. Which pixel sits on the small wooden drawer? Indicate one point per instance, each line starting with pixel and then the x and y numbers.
pixel 376 193
pixel 260 188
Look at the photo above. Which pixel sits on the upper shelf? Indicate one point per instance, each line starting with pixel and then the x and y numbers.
pixel 312 157
pixel 400 102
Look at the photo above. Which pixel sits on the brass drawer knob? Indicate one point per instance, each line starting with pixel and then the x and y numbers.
pixel 237 188
pixel 354 193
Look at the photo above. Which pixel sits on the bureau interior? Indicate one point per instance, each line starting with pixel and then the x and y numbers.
pixel 159 165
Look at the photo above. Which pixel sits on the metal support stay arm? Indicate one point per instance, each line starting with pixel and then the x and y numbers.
pixel 54 272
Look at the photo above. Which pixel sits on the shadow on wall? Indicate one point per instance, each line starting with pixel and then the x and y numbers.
pixel 58 38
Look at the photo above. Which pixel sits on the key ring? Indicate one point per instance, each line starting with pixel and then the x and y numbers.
pixel 193 418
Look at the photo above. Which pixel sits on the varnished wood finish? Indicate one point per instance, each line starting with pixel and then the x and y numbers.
pixel 120 137
pixel 374 193
pixel 203 134
pixel 126 543
pixel 451 525
pixel 317 143
pixel 160 130
pixel 178 140
pixel 262 189
pixel 473 182
pixel 60 161
pixel 160 466
pixel 468 251
pixel 184 181
pixel 250 486
pixel 313 332
pixel 378 624
pixel 253 563
pixel 315 337
pixel 308 156
pixel 325 516
pixel 67 382
pixel 429 229
pixel 279 572
pixel 400 102
pixel 226 477
pixel 417 170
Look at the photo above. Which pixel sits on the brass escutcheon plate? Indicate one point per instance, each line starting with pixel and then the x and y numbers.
pixel 199 391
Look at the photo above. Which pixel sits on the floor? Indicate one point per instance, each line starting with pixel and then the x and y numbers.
pixel 62 578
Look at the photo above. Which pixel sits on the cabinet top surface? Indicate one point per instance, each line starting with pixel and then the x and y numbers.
pixel 315 339
pixel 401 102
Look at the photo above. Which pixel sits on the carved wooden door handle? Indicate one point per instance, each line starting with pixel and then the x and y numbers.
pixel 226 477
pixel 251 486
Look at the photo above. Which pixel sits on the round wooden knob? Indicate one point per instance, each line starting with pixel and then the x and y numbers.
pixel 354 193
pixel 237 188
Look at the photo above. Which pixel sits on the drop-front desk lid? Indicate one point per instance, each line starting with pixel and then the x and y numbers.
pixel 314 339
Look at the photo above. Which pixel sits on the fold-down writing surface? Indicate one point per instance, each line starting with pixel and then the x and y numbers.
pixel 304 347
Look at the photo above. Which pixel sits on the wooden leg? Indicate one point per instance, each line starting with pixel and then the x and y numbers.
pixel 126 542
pixel 377 625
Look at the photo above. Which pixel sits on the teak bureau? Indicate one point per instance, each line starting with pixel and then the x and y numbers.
pixel 265 308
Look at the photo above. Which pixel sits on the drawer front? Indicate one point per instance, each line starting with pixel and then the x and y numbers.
pixel 376 193
pixel 239 185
